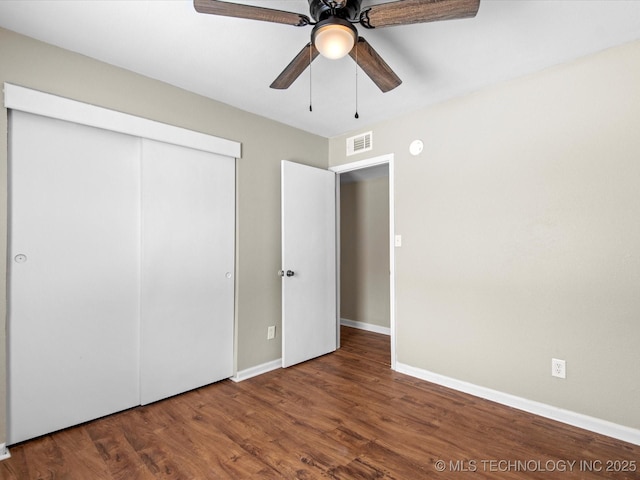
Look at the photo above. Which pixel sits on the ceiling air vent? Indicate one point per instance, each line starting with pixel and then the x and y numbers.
pixel 359 143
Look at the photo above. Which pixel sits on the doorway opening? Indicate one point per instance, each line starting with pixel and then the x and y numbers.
pixel 365 233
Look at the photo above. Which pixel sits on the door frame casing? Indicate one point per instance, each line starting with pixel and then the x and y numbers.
pixel 359 165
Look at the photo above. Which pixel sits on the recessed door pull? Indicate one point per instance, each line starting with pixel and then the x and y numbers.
pixel 288 273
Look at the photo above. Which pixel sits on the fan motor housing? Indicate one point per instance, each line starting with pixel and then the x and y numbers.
pixel 347 9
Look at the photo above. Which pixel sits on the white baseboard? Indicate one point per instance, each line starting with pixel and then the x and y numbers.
pixel 4 452
pixel 257 370
pixel 604 427
pixel 369 327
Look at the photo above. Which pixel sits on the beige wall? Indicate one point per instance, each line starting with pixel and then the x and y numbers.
pixel 521 239
pixel 33 64
pixel 364 251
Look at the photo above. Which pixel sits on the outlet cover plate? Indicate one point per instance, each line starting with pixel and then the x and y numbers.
pixel 558 368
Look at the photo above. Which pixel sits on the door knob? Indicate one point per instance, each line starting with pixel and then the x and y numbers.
pixel 290 273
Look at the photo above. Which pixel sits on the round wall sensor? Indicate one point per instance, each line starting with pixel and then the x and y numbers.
pixel 416 147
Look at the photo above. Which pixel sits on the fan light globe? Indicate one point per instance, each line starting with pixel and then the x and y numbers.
pixel 334 39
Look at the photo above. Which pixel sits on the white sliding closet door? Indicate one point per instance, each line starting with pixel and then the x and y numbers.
pixel 74 274
pixel 188 211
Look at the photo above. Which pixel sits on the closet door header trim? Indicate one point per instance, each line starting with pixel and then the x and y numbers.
pixel 48 105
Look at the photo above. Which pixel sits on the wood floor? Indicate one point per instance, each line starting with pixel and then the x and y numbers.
pixel 344 415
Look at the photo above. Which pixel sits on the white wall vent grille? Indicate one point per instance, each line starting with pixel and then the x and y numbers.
pixel 359 143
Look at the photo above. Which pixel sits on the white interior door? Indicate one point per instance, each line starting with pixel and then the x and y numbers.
pixel 188 211
pixel 73 274
pixel 309 313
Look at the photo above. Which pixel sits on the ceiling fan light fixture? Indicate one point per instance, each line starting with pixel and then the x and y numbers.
pixel 334 37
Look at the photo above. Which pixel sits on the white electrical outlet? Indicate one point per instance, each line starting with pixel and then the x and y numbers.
pixel 271 332
pixel 558 368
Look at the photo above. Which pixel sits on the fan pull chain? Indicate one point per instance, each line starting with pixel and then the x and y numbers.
pixel 356 115
pixel 310 91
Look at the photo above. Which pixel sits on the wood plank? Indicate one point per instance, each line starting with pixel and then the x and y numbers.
pixel 16 467
pixel 116 452
pixel 343 415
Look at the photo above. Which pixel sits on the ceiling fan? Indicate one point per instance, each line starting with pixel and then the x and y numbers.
pixel 334 34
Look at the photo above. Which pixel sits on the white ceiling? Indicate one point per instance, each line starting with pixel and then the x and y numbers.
pixel 235 60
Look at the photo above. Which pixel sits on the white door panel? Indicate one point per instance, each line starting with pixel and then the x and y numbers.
pixel 309 316
pixel 74 274
pixel 188 207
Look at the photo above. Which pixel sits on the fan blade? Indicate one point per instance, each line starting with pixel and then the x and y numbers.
pixel 374 66
pixel 228 9
pixel 405 12
pixel 298 65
